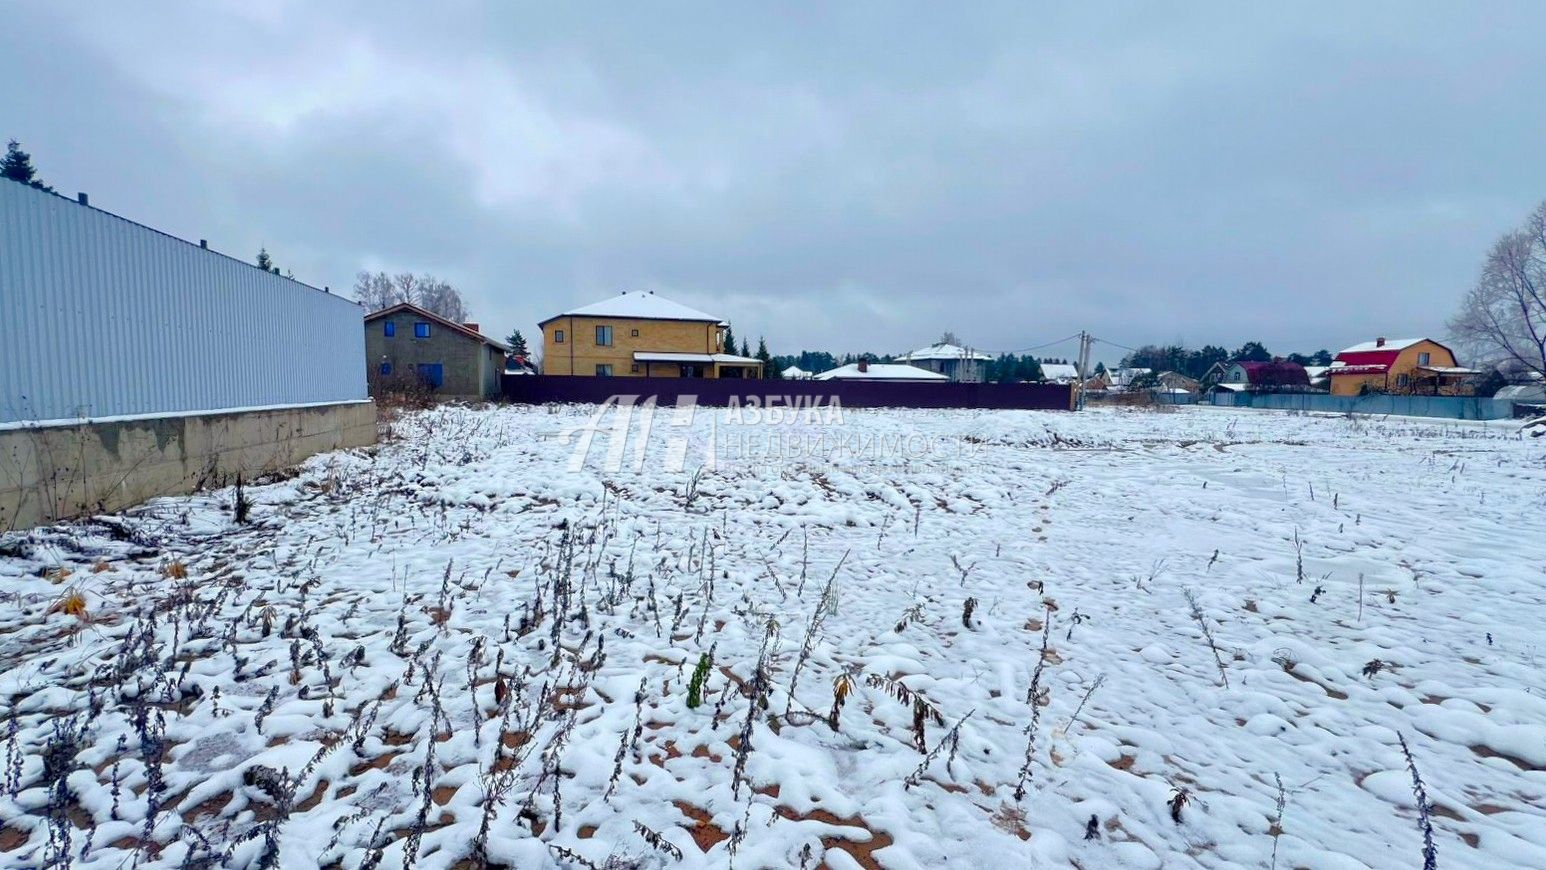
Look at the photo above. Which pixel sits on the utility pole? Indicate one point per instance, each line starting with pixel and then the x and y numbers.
pixel 1084 367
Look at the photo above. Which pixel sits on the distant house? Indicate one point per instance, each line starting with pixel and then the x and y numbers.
pixel 956 363
pixel 1059 373
pixel 868 371
pixel 1215 373
pixel 795 373
pixel 1419 366
pixel 641 335
pixel 516 364
pixel 1119 380
pixel 1177 382
pixel 408 347
pixel 1248 375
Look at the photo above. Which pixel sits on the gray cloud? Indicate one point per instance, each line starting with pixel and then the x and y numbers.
pixel 844 178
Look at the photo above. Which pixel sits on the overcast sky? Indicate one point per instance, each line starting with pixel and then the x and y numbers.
pixel 848 177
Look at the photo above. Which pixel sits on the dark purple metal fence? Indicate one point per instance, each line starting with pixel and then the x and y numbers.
pixel 536 389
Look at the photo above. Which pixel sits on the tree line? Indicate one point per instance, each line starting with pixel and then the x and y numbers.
pixel 1196 363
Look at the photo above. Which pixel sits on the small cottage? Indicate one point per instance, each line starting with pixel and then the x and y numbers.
pixel 408 349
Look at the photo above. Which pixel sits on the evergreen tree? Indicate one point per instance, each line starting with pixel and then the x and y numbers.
pixel 517 343
pixel 768 371
pixel 265 262
pixel 745 349
pixel 729 339
pixel 1253 351
pixel 1100 369
pixel 17 166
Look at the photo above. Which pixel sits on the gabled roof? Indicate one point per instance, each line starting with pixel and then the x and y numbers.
pixel 1372 357
pixel 639 305
pixel 879 372
pixel 433 317
pixel 1396 344
pixel 943 351
pixel 1055 371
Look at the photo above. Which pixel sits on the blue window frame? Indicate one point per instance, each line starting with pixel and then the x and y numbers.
pixel 421 329
pixel 432 374
pixel 389 328
pixel 386 369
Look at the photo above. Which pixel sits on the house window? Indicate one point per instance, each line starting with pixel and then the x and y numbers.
pixel 636 333
pixel 386 369
pixel 1424 358
pixel 1402 380
pixel 421 330
pixel 603 370
pixel 603 336
pixel 389 328
pixel 558 336
pixel 635 367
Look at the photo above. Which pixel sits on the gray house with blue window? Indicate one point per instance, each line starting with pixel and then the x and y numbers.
pixel 408 349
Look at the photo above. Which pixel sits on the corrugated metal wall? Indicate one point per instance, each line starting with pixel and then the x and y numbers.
pixel 100 316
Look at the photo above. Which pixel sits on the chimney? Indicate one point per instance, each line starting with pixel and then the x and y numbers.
pixel 864 365
pixel 1379 342
pixel 83 199
pixel 473 327
pixel 204 243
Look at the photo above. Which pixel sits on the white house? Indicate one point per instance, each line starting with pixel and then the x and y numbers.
pixel 868 371
pixel 795 373
pixel 1059 373
pixel 956 363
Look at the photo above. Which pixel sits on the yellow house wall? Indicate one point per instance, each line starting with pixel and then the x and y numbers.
pixel 1405 364
pixel 579 354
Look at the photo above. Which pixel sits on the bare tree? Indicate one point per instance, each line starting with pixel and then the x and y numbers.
pixel 1503 316
pixel 378 290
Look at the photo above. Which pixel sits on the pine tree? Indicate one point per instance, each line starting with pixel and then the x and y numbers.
pixel 729 339
pixel 265 262
pixel 517 344
pixel 745 349
pixel 769 371
pixel 17 166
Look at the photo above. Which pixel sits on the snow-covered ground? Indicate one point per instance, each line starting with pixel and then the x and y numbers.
pixel 459 633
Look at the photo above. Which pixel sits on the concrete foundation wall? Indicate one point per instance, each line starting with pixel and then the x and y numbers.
pixel 55 472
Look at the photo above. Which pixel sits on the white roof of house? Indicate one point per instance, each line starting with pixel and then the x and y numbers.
pixel 644 304
pixel 1316 371
pixel 664 356
pixel 944 351
pixel 879 372
pixel 1056 371
pixel 795 372
pixel 1390 344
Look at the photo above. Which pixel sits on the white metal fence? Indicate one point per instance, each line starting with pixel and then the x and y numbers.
pixel 100 316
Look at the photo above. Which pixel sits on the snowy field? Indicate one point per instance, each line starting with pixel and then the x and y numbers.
pixel 905 639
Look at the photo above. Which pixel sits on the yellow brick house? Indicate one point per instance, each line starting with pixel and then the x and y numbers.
pixel 640 334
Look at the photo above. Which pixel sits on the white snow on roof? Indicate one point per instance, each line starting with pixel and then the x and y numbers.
pixel 1316 371
pixel 796 373
pixel 642 304
pixel 1059 371
pixel 944 351
pixel 879 372
pixel 1390 344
